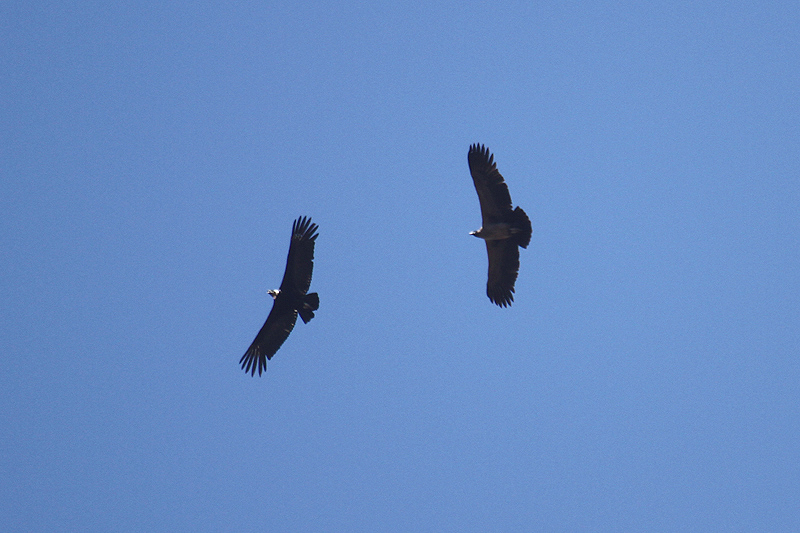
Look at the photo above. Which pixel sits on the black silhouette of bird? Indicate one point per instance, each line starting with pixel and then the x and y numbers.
pixel 504 229
pixel 289 301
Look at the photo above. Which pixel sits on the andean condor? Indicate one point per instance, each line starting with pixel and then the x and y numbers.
pixel 504 229
pixel 290 300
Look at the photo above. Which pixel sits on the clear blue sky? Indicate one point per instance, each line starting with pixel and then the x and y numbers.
pixel 154 155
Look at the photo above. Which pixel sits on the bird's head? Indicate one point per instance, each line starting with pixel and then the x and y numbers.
pixel 474 233
pixel 274 293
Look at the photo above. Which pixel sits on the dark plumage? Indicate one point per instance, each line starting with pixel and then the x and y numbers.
pixel 504 229
pixel 290 300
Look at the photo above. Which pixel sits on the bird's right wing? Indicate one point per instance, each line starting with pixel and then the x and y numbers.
pixel 271 336
pixel 300 262
pixel 503 270
pixel 491 187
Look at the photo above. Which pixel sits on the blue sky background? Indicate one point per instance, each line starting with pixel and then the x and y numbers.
pixel 155 154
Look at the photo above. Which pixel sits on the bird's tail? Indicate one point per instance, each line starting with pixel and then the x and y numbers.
pixel 310 304
pixel 522 227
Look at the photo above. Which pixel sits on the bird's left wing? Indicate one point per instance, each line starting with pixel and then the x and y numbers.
pixel 300 262
pixel 491 187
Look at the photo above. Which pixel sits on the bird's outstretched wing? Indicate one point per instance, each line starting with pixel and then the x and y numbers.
pixel 300 262
pixel 273 333
pixel 503 270
pixel 492 189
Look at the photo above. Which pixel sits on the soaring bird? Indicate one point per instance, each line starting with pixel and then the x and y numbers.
pixel 289 301
pixel 504 229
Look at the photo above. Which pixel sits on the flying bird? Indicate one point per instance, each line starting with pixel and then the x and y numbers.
pixel 289 301
pixel 504 229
